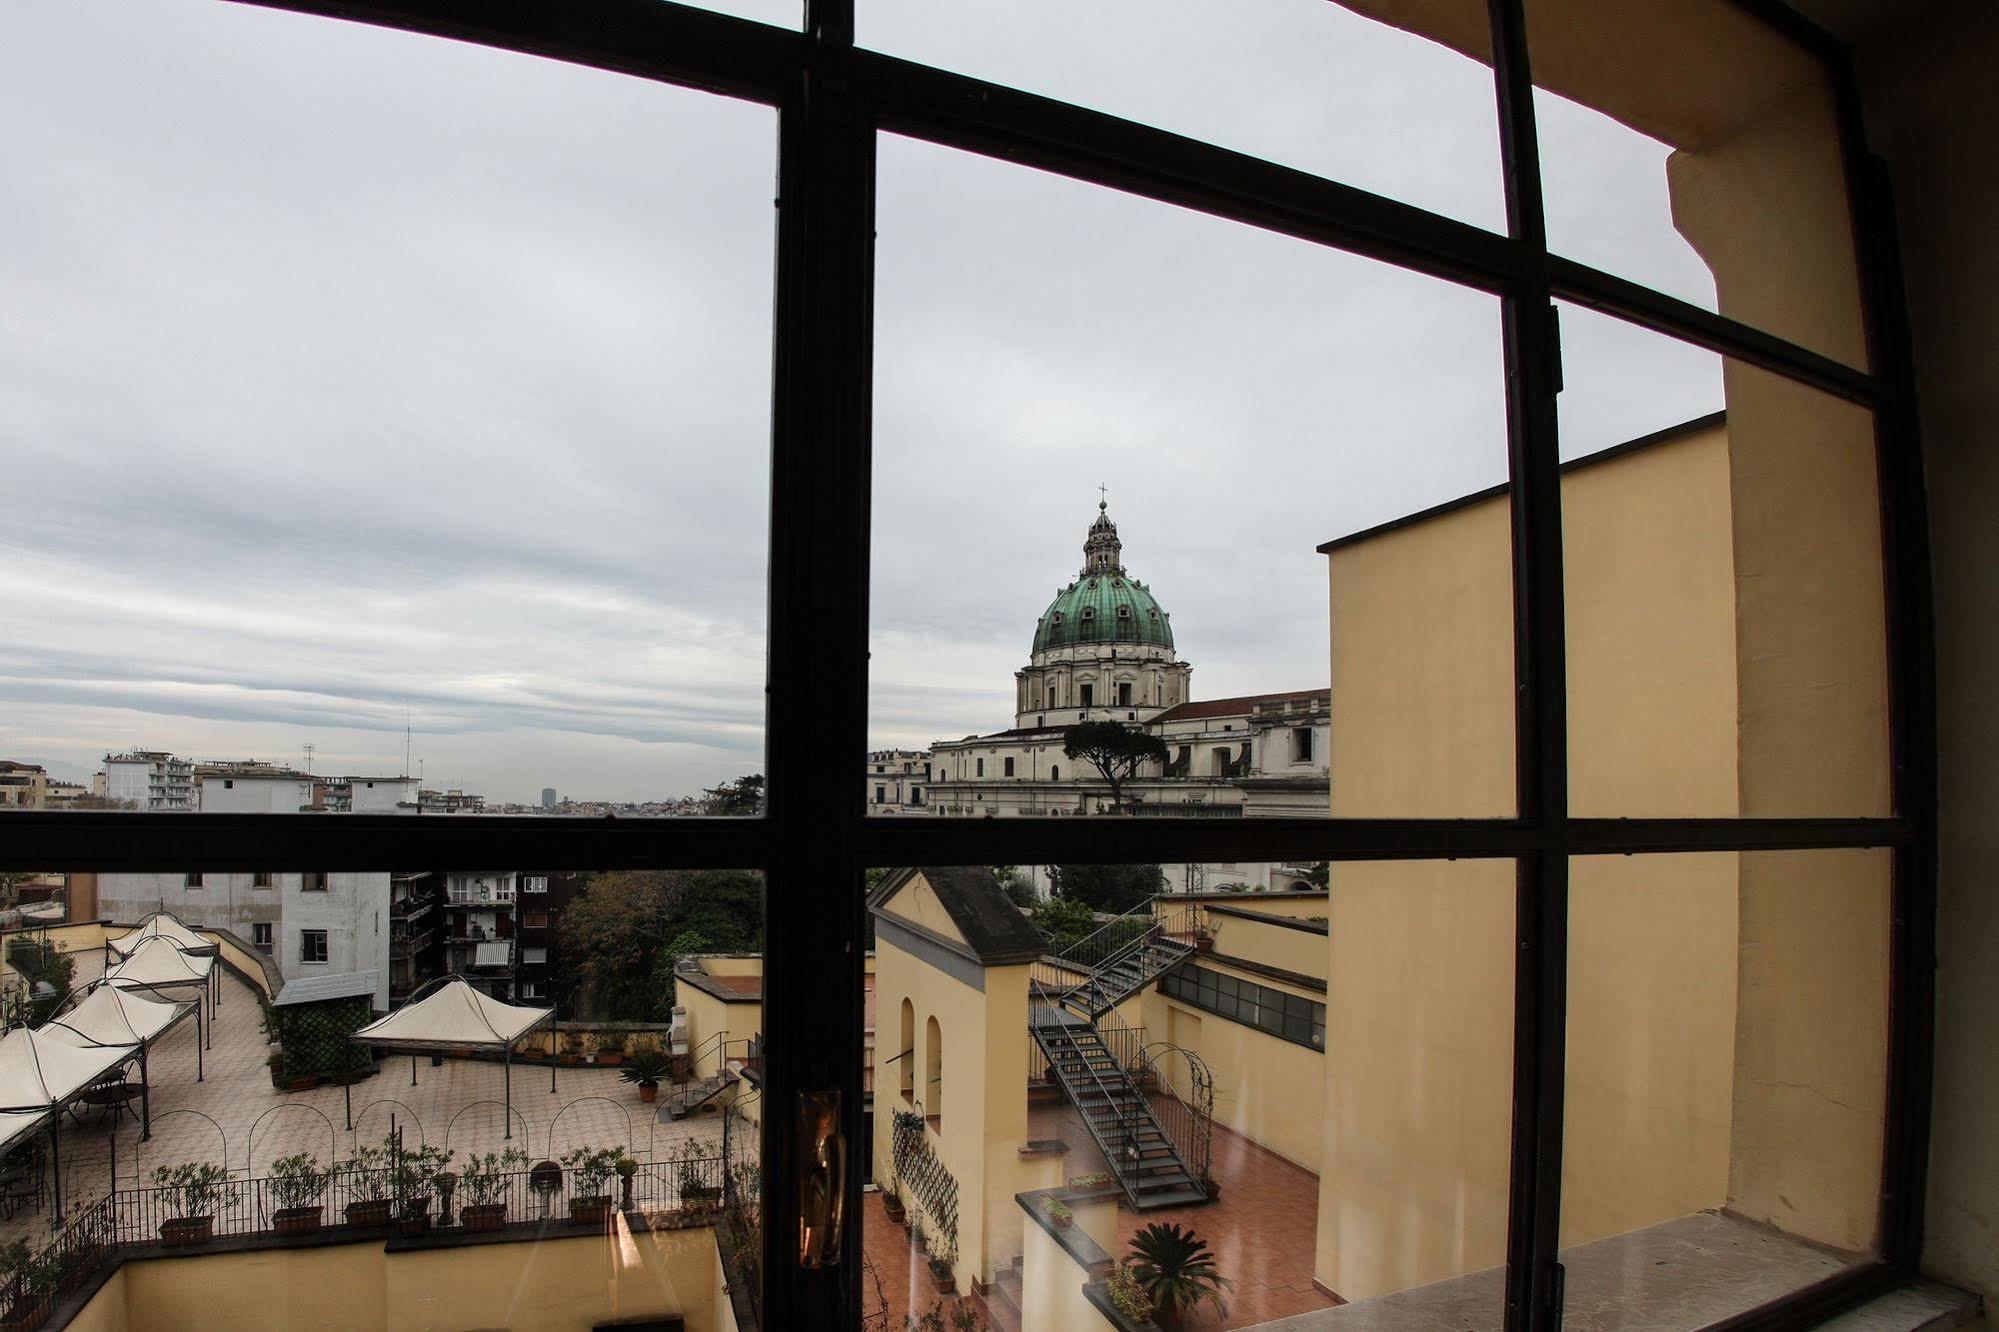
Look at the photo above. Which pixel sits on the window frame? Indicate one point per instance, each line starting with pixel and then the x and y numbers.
pixel 325 947
pixel 833 99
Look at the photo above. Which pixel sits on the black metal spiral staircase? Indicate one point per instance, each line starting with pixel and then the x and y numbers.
pixel 1073 996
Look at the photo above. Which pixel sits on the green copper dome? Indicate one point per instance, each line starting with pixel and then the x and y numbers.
pixel 1105 604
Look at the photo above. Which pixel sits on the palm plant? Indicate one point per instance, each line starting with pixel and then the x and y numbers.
pixel 1177 1272
pixel 647 1068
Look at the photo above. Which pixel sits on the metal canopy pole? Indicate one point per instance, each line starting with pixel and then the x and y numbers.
pixel 198 1027
pixel 55 1167
pixel 145 1097
pixel 507 1081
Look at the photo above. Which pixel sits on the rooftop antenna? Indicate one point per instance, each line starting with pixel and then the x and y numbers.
pixel 308 758
pixel 407 734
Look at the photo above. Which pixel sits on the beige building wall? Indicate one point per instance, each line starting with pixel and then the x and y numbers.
pixel 983 1121
pixel 562 1284
pixel 1421 978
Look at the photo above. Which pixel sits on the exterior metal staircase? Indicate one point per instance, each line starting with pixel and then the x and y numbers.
pixel 1072 997
pixel 1143 1160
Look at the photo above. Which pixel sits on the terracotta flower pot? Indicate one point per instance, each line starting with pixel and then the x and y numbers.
pixel 370 1212
pixel 591 1211
pixel 648 1092
pixel 297 1220
pixel 484 1216
pixel 187 1230
pixel 610 1060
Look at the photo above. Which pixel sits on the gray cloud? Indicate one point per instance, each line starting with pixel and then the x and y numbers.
pixel 343 372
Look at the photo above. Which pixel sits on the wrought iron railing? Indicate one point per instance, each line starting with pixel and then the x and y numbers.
pixel 131 1222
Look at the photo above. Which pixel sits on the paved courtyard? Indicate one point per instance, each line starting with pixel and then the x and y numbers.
pixel 235 1116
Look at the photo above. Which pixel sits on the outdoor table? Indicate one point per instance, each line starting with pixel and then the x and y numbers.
pixel 111 1098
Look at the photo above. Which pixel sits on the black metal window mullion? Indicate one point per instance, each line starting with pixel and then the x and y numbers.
pixel 1540 1018
pixel 817 719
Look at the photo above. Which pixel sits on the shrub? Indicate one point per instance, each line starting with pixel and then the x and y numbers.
pixel 191 1189
pixel 297 1181
pixel 1058 1211
pixel 1127 1296
pixel 485 1178
pixel 593 1169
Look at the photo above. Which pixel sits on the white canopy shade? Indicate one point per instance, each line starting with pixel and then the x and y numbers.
pixel 454 1013
pixel 159 925
pixel 159 962
pixel 18 1124
pixel 39 1073
pixel 110 1016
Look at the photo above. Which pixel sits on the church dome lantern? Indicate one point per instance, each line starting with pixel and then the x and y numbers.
pixel 1105 605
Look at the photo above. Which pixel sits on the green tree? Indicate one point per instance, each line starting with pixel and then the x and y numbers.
pixel 1064 921
pixel 625 930
pixel 1114 749
pixel 742 797
pixel 1113 889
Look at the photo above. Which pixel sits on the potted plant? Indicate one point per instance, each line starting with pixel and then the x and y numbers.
pixel 1177 1272
pixel 592 1171
pixel 611 1046
pixel 1097 1180
pixel 965 1318
pixel 297 1187
pixel 1058 1212
pixel 412 1177
pixel 892 1204
pixel 190 1193
pixel 940 1270
pixel 645 1070
pixel 368 1175
pixel 275 1061
pixel 572 1048
pixel 696 1193
pixel 1127 1296
pixel 485 1184
pixel 545 1178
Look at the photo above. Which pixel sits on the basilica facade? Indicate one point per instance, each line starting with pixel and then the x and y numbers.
pixel 1104 650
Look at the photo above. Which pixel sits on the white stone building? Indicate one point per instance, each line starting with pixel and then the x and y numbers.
pixel 1104 651
pixel 151 780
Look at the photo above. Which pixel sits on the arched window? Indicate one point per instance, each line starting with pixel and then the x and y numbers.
pixel 933 1073
pixel 1054 772
pixel 906 1059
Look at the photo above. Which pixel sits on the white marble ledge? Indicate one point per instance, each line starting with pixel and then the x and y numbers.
pixel 1686 1273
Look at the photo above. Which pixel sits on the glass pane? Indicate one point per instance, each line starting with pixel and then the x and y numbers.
pixel 1726 636
pixel 1105 455
pixel 606 1076
pixel 1727 1050
pixel 1091 1064
pixel 383 415
pixel 1693 149
pixel 1305 84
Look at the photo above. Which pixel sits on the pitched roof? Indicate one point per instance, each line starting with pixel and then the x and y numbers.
pixel 1236 707
pixel 994 928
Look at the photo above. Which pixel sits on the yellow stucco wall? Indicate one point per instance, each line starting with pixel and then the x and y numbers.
pixel 1272 945
pixel 1440 595
pixel 1417 1074
pixel 1269 1090
pixel 1051 1287
pixel 984 1120
pixel 571 1283
pixel 1811 1044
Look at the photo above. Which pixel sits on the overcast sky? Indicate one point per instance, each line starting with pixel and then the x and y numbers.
pixel 347 376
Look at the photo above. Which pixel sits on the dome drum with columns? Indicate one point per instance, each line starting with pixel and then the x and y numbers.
pixel 1104 646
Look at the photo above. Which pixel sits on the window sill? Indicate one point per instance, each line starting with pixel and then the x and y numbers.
pixel 1691 1271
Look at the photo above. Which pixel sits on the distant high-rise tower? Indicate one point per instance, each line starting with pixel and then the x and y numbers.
pixel 548 797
